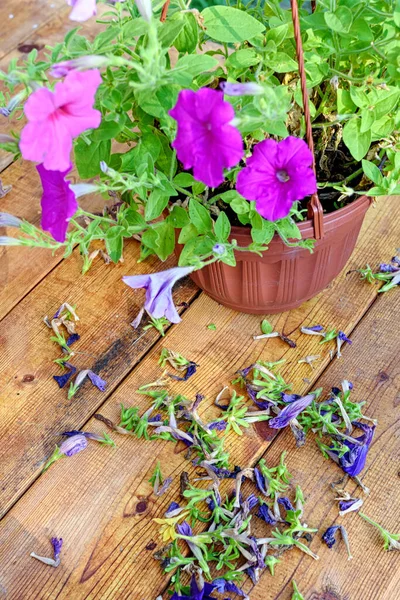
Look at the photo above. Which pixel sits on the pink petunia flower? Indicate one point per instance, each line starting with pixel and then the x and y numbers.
pixel 58 202
pixel 158 286
pixel 82 10
pixel 55 118
pixel 205 140
pixel 276 175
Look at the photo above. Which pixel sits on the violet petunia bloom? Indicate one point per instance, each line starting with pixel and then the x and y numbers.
pixel 346 506
pixel 329 535
pixel 353 461
pixel 198 591
pixel 62 380
pixel 73 445
pixel 82 10
pixel 266 514
pixel 260 480
pixel 158 286
pixel 291 412
pixel 57 545
pixel 206 141
pixel 55 118
pixel 276 175
pixel 285 502
pixel 58 202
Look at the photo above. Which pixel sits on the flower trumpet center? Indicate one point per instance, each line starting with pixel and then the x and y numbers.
pixel 282 176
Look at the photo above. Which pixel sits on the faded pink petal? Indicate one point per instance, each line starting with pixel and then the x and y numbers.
pixel 276 175
pixel 205 140
pixel 55 118
pixel 58 202
pixel 158 286
pixel 82 9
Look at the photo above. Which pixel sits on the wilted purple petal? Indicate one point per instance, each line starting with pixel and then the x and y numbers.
pixel 346 506
pixel 329 535
pixel 291 412
pixel 225 473
pixel 185 529
pixel 285 502
pixel 222 586
pixel 353 461
pixel 191 370
pixel 158 286
pixel 385 268
pixel 62 380
pixel 260 481
pixel 218 425
pixel 72 339
pixel 343 337
pixel 171 509
pixel 57 545
pixel 97 381
pixel 205 139
pixel 290 397
pixel 7 220
pixel 266 514
pixel 164 487
pixel 196 591
pixel 73 445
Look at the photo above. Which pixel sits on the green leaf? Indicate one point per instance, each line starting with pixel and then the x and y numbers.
pixel 88 157
pixel 191 65
pixel 367 119
pixel 222 227
pixel 242 59
pixel 277 34
pixel 107 130
pixel 266 327
pixel 282 63
pixel 155 204
pixel 183 180
pixel 188 37
pixel 288 229
pixel 134 28
pixel 359 97
pixel 212 327
pixel 340 20
pixel 386 103
pixel 188 232
pixel 372 172
pixel 226 24
pixel 358 142
pixel 134 221
pixel 199 216
pixel 165 242
pixel 114 242
pixel 178 217
pixel 262 231
pixel 170 30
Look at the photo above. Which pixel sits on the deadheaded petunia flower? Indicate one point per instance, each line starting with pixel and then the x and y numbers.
pixel 353 461
pixel 198 591
pixel 340 340
pixel 291 411
pixel 158 286
pixel 55 561
pixel 330 540
pixel 266 514
pixel 276 175
pixel 222 586
pixel 351 505
pixel 206 141
pixel 58 202
pixel 391 540
pixel 62 380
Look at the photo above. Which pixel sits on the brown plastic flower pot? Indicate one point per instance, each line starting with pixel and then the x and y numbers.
pixel 283 278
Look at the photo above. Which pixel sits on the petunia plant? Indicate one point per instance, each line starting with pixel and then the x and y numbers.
pixel 191 123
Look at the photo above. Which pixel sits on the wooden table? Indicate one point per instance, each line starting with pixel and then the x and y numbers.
pixel 100 501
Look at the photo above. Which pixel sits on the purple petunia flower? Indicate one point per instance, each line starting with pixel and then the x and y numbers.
pixel 82 10
pixel 74 444
pixel 58 202
pixel 291 411
pixel 185 529
pixel 57 545
pixel 172 510
pixel 343 337
pixel 225 473
pixel 288 398
pixel 62 380
pixel 276 175
pixel 206 141
pixel 97 381
pixel 191 370
pixel 385 268
pixel 353 461
pixel 266 514
pixel 346 506
pixel 158 286
pixel 197 592
pixel 241 89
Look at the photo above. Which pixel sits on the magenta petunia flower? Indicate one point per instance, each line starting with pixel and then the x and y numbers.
pixel 58 202
pixel 55 118
pixel 276 175
pixel 158 286
pixel 82 10
pixel 206 141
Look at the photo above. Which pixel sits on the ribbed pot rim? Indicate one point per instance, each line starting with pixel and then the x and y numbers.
pixel 332 220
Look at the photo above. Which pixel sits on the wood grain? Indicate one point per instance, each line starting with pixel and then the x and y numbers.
pixel 100 501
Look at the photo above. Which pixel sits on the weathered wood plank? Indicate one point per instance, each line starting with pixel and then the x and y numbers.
pixel 33 411
pixel 19 19
pixel 100 501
